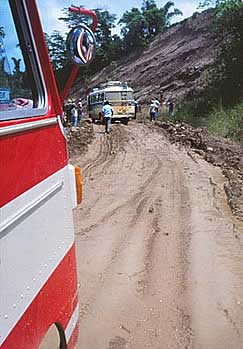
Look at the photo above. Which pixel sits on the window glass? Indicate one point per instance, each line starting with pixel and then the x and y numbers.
pixel 119 96
pixel 113 96
pixel 102 97
pixel 92 99
pixel 16 80
pixel 97 98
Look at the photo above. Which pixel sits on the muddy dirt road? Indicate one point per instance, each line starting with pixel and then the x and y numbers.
pixel 159 257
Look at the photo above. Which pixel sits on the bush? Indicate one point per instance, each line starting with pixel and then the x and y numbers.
pixel 227 123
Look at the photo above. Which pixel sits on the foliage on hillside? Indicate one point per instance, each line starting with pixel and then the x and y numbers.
pixel 218 105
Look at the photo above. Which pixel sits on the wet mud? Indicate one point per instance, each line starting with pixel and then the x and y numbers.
pixel 159 252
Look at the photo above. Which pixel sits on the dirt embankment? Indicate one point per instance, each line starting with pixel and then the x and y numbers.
pixel 217 151
pixel 79 139
pixel 175 62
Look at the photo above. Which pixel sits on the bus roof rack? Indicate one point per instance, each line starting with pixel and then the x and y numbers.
pixel 114 83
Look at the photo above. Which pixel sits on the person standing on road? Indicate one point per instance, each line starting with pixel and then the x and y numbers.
pixel 80 110
pixel 74 112
pixel 152 112
pixel 135 109
pixel 157 104
pixel 171 105
pixel 107 112
pixel 67 110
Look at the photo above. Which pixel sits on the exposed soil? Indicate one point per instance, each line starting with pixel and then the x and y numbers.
pixel 176 62
pixel 159 254
pixel 217 151
pixel 79 139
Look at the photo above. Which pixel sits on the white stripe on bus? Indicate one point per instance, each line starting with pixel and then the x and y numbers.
pixel 8 130
pixel 72 324
pixel 32 249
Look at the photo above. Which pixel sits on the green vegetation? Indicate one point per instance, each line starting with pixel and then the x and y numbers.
pixel 218 106
pixel 140 26
pixel 227 123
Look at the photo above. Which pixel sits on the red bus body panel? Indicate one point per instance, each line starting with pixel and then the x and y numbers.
pixel 28 158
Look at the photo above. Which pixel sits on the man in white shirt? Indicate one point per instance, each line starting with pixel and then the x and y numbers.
pixel 107 112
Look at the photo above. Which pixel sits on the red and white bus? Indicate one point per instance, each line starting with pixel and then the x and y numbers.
pixel 38 188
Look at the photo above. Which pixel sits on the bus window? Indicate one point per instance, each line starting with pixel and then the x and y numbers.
pixel 101 97
pixel 119 96
pixel 18 89
pixel 92 99
pixel 124 95
pixel 113 96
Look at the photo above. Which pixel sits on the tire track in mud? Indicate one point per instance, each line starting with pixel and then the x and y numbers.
pixel 132 201
pixel 139 201
pixel 109 146
pixel 136 247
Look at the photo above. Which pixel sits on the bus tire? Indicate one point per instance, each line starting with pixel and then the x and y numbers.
pixel 125 121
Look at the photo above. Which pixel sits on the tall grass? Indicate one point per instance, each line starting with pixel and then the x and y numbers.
pixel 225 122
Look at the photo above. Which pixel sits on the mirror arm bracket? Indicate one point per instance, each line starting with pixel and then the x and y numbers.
pixel 88 13
pixel 75 68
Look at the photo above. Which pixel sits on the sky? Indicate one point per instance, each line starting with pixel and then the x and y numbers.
pixel 50 11
pixel 50 22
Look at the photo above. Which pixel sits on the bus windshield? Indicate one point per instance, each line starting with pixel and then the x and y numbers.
pixel 119 96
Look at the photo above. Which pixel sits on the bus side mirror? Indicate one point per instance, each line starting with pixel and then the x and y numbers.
pixel 81 45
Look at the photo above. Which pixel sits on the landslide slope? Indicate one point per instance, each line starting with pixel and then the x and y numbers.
pixel 175 62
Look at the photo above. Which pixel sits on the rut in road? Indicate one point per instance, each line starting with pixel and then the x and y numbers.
pixel 151 264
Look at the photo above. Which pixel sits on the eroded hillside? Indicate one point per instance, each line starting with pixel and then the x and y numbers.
pixel 175 62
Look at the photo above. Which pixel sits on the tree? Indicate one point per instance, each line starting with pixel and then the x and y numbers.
pixel 57 49
pixel 108 45
pixel 167 15
pixel 224 81
pixel 141 26
pixel 226 77
pixel 158 18
pixel 134 31
pixel 106 22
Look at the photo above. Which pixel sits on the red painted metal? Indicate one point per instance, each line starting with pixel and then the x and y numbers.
pixel 70 82
pixel 31 329
pixel 28 158
pixel 85 12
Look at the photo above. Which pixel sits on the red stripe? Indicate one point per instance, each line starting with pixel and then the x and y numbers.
pixel 55 303
pixel 28 158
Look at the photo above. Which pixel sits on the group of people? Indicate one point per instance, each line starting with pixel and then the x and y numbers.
pixel 73 112
pixel 155 104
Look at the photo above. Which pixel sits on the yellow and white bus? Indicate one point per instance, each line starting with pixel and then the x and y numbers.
pixel 121 98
